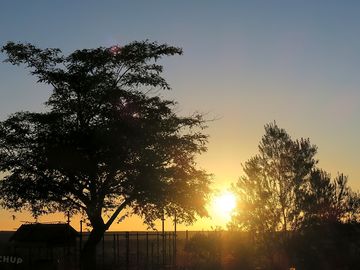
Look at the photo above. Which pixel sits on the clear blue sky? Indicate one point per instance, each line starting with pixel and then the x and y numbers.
pixel 245 62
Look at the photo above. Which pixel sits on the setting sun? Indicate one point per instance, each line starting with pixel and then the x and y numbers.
pixel 222 207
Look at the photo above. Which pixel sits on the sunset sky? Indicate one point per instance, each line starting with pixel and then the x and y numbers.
pixel 245 64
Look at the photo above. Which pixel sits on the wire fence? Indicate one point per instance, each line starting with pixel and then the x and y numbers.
pixel 135 250
pixel 117 250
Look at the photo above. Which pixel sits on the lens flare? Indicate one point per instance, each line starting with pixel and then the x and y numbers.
pixel 222 207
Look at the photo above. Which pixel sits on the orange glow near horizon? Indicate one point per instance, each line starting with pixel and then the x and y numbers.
pixel 221 208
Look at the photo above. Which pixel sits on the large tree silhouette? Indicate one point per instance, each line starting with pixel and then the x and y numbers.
pixel 104 143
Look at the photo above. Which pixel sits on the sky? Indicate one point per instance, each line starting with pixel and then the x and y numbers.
pixel 245 64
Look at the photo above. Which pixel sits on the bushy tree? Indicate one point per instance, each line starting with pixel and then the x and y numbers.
pixel 269 192
pixel 105 143
pixel 283 190
pixel 329 200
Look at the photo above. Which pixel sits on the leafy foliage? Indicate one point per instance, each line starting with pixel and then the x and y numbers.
pixel 270 192
pixel 105 142
pixel 284 197
pixel 329 201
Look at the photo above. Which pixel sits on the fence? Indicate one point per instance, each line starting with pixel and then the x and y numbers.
pixel 131 250
pixel 117 250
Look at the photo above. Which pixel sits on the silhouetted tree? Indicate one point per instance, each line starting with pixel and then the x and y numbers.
pixel 283 190
pixel 329 201
pixel 104 144
pixel 269 192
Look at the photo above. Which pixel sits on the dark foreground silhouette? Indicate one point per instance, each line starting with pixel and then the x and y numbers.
pixel 331 246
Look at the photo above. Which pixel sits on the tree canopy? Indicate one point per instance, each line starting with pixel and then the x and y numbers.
pixel 105 142
pixel 284 200
pixel 283 189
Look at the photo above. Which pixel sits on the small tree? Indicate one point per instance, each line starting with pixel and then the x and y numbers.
pixel 269 193
pixel 283 190
pixel 104 144
pixel 329 201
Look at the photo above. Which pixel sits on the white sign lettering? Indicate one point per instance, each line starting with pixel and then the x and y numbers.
pixel 10 259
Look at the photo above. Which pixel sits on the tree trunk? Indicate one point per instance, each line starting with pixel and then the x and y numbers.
pixel 88 253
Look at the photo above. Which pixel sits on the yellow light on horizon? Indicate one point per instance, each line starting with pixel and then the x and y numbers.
pixel 222 207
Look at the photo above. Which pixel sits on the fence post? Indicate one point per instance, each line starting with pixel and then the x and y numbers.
pixel 80 242
pixel 137 248
pixel 114 247
pixel 158 247
pixel 163 238
pixel 103 250
pixel 118 248
pixel 152 253
pixel 170 253
pixel 127 240
pixel 147 249
pixel 164 249
pixel 174 243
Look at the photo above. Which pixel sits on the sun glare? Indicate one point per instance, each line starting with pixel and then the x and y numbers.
pixel 222 207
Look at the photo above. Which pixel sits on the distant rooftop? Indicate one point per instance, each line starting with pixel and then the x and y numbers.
pixel 60 234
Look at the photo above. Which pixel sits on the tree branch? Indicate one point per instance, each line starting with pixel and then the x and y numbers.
pixel 116 213
pixel 75 203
